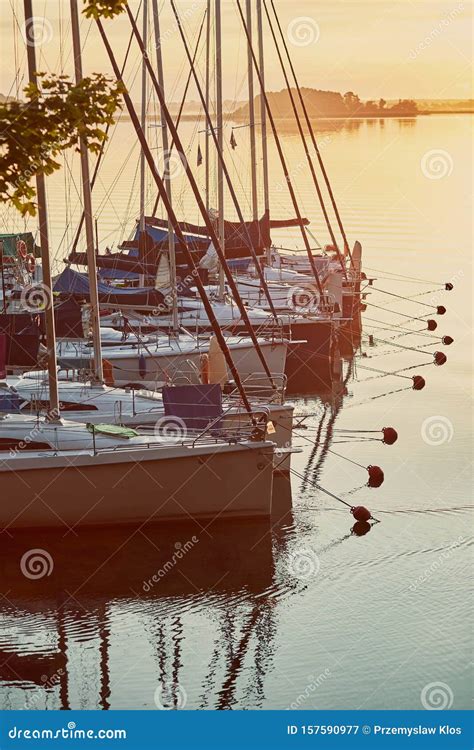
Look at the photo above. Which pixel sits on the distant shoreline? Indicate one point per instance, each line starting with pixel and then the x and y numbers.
pixel 192 117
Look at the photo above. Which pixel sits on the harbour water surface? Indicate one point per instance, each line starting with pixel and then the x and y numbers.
pixel 299 613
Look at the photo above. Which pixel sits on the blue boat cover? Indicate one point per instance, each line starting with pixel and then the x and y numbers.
pixel 71 282
pixel 10 402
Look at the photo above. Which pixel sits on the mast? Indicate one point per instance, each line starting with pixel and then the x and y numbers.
pixel 212 133
pixel 305 147
pixel 44 239
pixel 160 185
pixel 263 119
pixel 282 156
pixel 86 197
pixel 202 209
pixel 220 138
pixel 167 172
pixel 253 146
pixel 208 83
pixel 313 140
pixel 143 126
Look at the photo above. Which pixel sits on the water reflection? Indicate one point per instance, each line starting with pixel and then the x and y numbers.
pixel 61 633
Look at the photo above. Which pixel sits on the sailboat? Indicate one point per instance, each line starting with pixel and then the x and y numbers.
pixel 56 472
pixel 98 404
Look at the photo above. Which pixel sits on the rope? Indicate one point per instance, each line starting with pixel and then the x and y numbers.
pixel 406 299
pixel 408 278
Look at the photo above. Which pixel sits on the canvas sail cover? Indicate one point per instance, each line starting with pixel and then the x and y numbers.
pixel 77 284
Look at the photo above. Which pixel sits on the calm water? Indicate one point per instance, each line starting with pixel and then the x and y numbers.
pixel 301 614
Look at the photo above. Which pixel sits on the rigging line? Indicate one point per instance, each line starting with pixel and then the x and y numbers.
pixel 305 145
pixel 398 326
pixel 103 144
pixel 313 139
pixel 280 153
pixel 400 296
pixel 176 226
pixel 395 312
pixel 408 278
pixel 101 204
pixel 406 331
pixel 183 100
pixel 401 346
pixel 229 183
pixel 422 294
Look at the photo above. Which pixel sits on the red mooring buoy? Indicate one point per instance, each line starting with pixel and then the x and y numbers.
pixel 361 528
pixel 376 476
pixel 440 358
pixel 448 286
pixel 432 325
pixel 440 310
pixel 418 383
pixel 390 436
pixel 361 513
pixel 447 340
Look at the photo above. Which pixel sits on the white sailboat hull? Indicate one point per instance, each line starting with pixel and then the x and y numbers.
pixel 152 367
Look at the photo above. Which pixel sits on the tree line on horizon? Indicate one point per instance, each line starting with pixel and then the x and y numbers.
pixel 330 104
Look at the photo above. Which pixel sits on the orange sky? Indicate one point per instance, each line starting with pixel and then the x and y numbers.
pixel 389 48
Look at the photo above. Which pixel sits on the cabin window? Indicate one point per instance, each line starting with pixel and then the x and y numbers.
pixel 18 446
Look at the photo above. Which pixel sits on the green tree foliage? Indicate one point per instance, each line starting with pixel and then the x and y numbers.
pixel 104 8
pixel 33 133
